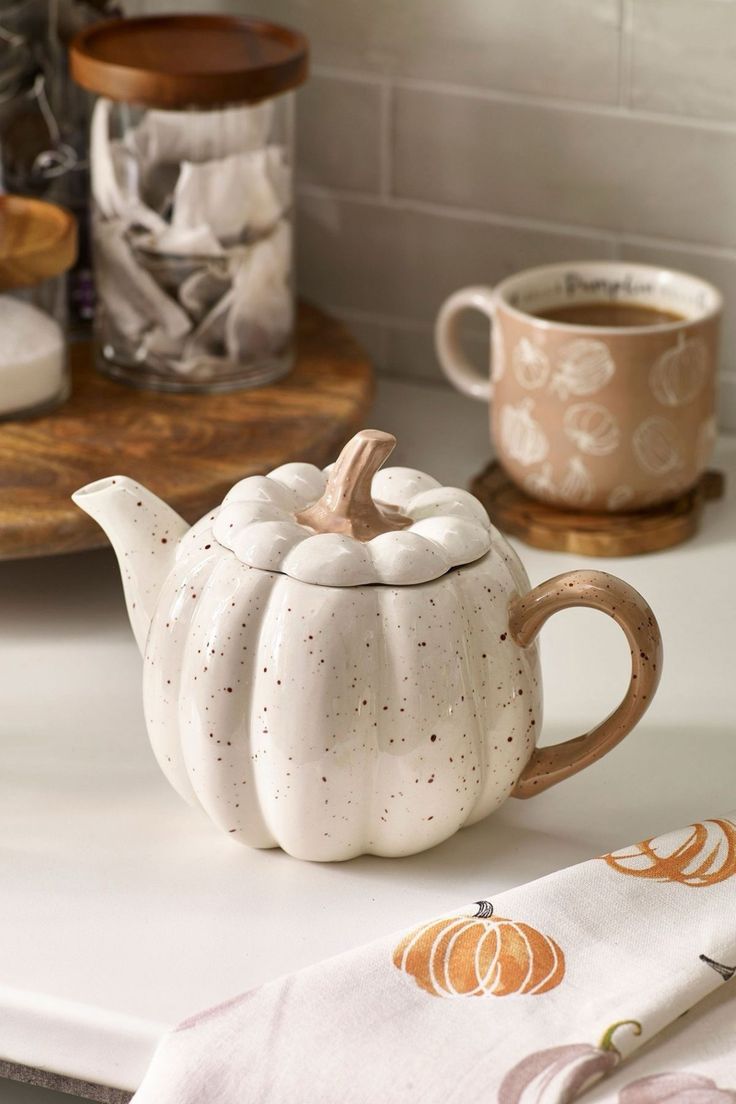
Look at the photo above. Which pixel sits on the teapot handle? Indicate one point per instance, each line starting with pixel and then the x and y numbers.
pixel 601 591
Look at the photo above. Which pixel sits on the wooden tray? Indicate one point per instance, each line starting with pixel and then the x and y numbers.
pixel 189 449
pixel 592 534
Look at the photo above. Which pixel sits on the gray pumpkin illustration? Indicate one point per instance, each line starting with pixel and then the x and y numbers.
pixel 559 1074
pixel 675 1088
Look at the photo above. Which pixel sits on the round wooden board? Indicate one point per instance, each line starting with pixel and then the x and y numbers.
pixel 621 534
pixel 189 449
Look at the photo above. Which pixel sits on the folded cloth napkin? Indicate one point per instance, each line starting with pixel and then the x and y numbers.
pixel 532 998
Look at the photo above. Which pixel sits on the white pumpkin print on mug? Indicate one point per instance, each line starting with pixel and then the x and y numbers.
pixel 655 446
pixel 531 365
pixel 678 375
pixel 584 367
pixel 592 428
pixel 523 438
pixel 539 484
pixel 577 487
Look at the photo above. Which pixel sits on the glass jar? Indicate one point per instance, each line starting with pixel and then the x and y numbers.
pixel 38 245
pixel 191 167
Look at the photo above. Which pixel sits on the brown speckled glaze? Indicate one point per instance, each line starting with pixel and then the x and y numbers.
pixel 604 592
pixel 594 418
pixel 333 718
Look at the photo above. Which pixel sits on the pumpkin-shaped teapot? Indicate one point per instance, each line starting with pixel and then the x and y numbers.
pixel 343 662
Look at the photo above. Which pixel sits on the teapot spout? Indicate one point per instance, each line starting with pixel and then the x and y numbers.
pixel 144 532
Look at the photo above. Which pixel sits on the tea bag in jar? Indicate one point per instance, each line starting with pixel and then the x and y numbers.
pixel 115 175
pixel 260 316
pixel 172 137
pixel 134 304
pixel 238 197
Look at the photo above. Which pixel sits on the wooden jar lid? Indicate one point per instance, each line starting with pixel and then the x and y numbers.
pixel 177 61
pixel 37 240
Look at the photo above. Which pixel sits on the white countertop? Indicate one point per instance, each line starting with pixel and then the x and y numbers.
pixel 123 911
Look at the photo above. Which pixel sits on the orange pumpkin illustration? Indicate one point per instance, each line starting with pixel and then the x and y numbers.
pixel 701 855
pixel 481 955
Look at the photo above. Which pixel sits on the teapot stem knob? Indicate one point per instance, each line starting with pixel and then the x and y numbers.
pixel 347 505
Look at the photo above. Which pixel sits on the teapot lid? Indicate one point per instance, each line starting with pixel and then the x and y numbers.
pixel 351 524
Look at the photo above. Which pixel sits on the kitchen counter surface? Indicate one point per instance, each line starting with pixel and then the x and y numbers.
pixel 123 910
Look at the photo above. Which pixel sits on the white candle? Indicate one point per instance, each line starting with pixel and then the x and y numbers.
pixel 32 356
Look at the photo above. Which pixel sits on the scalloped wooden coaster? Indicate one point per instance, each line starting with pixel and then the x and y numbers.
pixel 624 534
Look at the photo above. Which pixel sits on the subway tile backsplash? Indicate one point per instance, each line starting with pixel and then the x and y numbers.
pixel 683 57
pixel 442 144
pixel 605 170
pixel 340 132
pixel 401 262
pixel 522 45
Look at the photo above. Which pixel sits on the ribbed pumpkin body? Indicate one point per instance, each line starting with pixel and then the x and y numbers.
pixel 332 721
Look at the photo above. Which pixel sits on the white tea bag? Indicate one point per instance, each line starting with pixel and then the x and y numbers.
pixel 260 318
pixel 114 175
pixel 197 241
pixel 209 337
pixel 132 300
pixel 237 197
pixel 170 137
pixel 201 290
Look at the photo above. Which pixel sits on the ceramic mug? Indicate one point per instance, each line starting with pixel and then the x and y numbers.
pixel 610 416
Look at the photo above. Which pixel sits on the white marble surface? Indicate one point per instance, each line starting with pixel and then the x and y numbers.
pixel 124 911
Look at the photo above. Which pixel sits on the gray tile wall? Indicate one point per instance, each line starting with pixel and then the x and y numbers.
pixel 449 143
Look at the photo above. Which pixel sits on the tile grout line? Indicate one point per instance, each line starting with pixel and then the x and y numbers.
pixel 385 152
pixel 613 238
pixel 613 110
pixel 626 55
pixel 354 76
pixel 717 252
pixel 620 53
pixel 463 214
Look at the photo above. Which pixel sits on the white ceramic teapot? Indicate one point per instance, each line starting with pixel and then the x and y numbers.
pixel 333 675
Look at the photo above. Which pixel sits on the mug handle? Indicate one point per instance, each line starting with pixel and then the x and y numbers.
pixel 601 591
pixel 456 366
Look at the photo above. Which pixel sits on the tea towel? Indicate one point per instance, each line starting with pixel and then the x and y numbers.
pixel 611 979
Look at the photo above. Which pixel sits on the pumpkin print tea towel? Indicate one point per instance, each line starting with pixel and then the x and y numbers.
pixel 611 981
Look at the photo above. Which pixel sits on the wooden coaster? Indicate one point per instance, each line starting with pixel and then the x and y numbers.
pixel 621 534
pixel 189 449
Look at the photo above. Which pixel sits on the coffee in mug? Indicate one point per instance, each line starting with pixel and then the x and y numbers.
pixel 602 382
